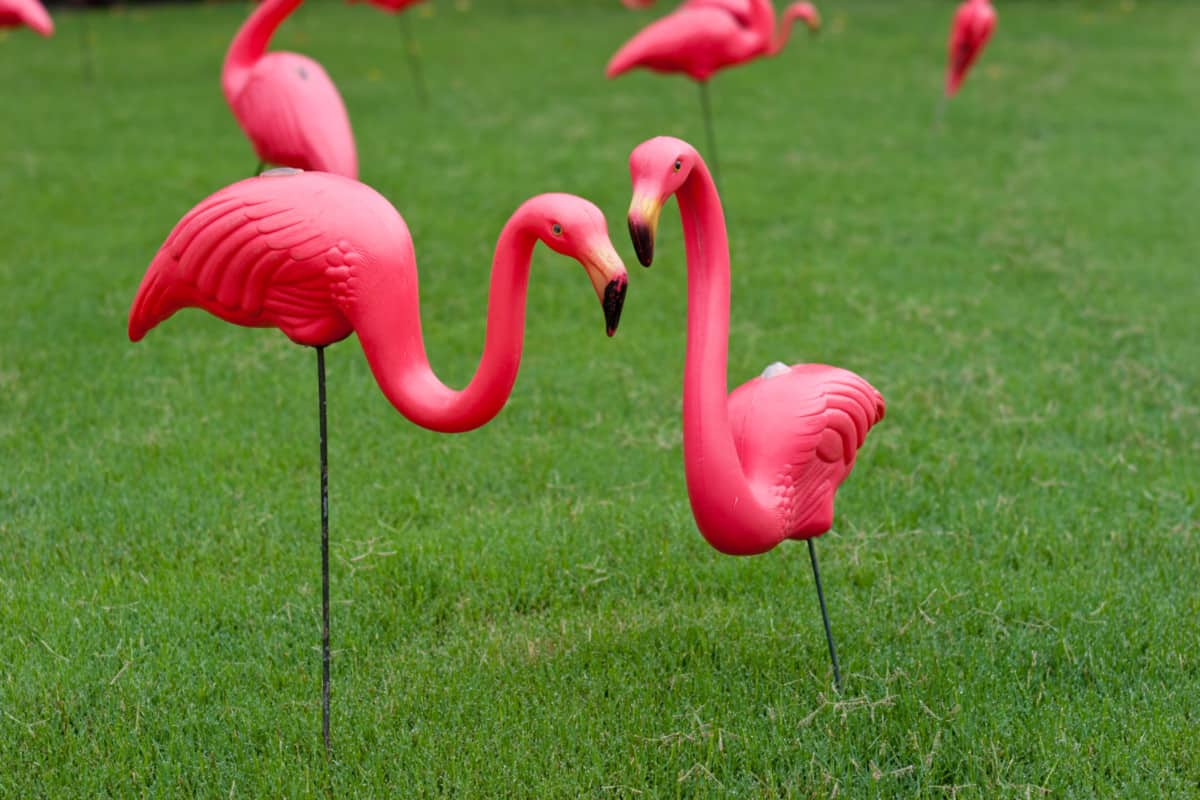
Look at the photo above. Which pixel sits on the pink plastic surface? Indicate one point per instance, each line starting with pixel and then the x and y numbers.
pixel 30 13
pixel 764 463
pixel 704 36
pixel 285 102
pixel 319 256
pixel 973 24
pixel 391 6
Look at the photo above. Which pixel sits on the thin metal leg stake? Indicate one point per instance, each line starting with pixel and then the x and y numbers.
pixel 939 114
pixel 324 550
pixel 414 62
pixel 837 675
pixel 706 108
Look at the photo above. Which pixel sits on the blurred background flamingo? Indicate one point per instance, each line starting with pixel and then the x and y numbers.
pixel 285 102
pixel 764 464
pixel 30 13
pixel 972 26
pixel 704 36
pixel 320 257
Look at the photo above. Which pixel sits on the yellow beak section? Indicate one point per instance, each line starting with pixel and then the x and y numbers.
pixel 643 225
pixel 610 280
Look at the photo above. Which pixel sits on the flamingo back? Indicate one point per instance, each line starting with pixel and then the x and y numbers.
pixel 294 116
pixel 697 41
pixel 797 434
pixel 742 10
pixel 30 13
pixel 390 6
pixel 272 251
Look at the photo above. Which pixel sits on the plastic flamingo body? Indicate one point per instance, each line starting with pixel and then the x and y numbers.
pixel 320 256
pixel 391 6
pixel 744 10
pixel 695 41
pixel 704 36
pixel 30 13
pixel 285 102
pixel 973 24
pixel 763 465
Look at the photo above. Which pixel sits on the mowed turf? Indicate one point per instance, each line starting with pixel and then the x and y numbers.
pixel 527 610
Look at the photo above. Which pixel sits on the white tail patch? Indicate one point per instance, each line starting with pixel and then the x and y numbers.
pixel 280 171
pixel 776 369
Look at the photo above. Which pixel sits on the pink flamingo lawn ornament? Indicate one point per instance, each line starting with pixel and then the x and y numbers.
pixel 30 13
pixel 764 464
pixel 704 36
pixel 974 21
pixel 285 102
pixel 320 256
pixel 410 43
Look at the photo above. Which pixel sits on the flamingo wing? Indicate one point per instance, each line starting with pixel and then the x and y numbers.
pixel 695 41
pixel 797 435
pixel 295 117
pixel 30 13
pixel 255 253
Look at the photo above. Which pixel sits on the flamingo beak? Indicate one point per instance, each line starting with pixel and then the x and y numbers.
pixel 644 211
pixel 609 279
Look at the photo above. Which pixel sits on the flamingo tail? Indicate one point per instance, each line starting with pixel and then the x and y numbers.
pixel 154 303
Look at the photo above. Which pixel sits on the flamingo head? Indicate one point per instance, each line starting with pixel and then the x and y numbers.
pixel 659 167
pixel 574 227
pixel 807 13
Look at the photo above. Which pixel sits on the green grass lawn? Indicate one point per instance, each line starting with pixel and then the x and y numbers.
pixel 528 610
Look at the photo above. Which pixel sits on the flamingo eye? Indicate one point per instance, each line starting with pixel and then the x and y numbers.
pixel 678 164
pixel 557 229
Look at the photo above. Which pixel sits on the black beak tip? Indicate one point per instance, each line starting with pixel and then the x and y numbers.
pixel 614 301
pixel 643 241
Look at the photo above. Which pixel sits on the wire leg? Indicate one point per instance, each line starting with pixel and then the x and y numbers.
pixel 87 51
pixel 837 675
pixel 324 550
pixel 706 110
pixel 414 62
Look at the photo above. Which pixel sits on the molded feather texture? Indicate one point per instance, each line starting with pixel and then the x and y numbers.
pixel 319 255
pixel 276 250
pixel 797 436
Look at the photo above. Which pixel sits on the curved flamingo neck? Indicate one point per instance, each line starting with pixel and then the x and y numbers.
pixel 785 30
pixel 390 332
pixel 250 43
pixel 727 510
